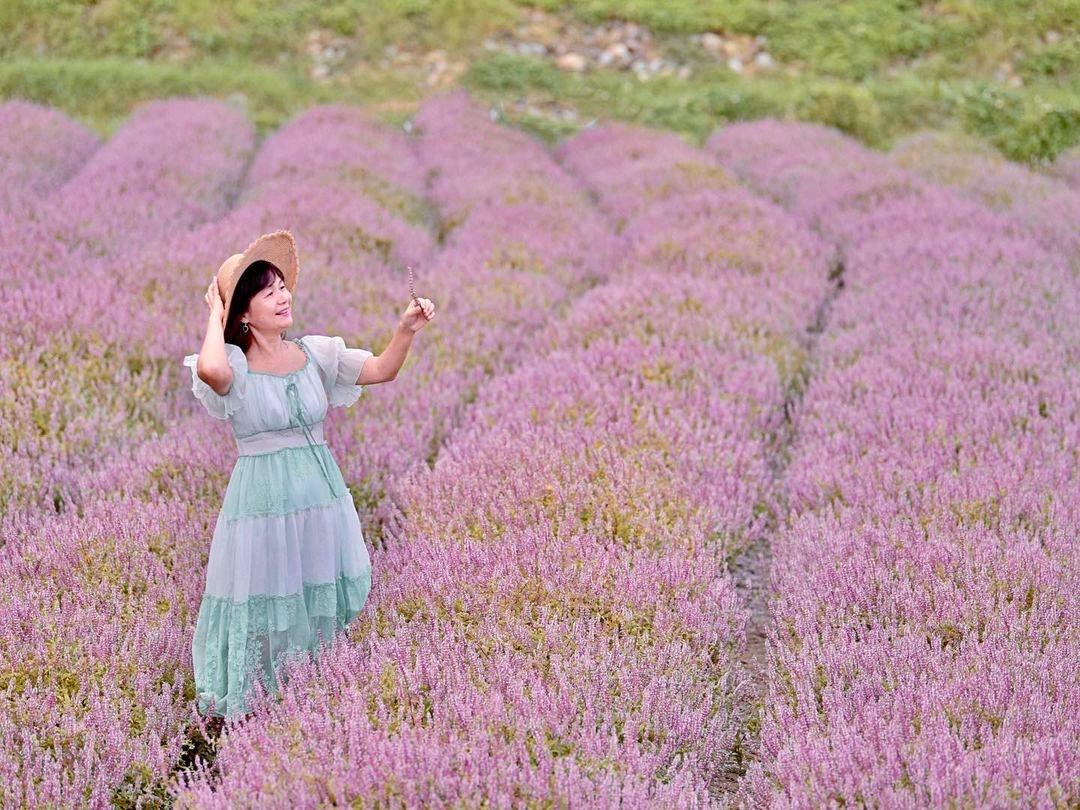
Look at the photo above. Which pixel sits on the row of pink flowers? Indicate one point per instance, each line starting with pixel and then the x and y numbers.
pixel 78 383
pixel 923 646
pixel 40 149
pixel 1045 204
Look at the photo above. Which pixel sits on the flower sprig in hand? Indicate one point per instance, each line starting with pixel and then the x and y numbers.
pixel 419 312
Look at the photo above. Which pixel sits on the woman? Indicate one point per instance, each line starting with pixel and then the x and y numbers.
pixel 288 564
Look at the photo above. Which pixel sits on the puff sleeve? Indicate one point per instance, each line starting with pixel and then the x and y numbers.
pixel 339 367
pixel 218 406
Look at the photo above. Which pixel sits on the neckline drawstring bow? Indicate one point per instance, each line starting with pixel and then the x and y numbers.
pixel 293 395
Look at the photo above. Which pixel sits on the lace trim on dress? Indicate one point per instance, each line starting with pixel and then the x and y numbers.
pixel 245 632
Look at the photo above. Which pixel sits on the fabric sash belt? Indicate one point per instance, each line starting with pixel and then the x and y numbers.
pixel 268 441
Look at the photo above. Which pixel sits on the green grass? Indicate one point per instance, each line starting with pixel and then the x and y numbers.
pixel 876 69
pixel 102 91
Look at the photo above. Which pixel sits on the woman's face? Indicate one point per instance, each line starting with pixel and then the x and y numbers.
pixel 270 309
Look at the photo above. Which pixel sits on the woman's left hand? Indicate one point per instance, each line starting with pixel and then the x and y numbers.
pixel 418 314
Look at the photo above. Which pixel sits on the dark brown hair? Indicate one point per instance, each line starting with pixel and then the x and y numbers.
pixel 258 276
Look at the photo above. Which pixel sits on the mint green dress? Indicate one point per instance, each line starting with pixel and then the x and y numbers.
pixel 288 564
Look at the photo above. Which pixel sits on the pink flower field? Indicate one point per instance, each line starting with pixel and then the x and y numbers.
pixel 735 475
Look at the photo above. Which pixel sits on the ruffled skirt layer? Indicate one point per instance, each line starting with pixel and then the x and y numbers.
pixel 288 568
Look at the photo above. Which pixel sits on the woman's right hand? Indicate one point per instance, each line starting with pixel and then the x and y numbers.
pixel 214 302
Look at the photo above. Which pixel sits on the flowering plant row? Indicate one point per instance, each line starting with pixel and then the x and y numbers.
pixel 923 637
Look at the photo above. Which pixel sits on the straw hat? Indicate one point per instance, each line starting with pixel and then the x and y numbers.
pixel 278 247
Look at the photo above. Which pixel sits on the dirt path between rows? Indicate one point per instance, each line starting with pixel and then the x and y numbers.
pixel 751 570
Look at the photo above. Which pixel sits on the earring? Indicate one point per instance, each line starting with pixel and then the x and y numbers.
pixel 244 327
